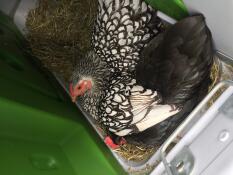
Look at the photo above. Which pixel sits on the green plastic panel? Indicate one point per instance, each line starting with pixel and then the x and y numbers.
pixel 173 8
pixel 35 142
pixel 41 131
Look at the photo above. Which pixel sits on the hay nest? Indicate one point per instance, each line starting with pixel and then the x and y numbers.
pixel 59 32
pixel 215 73
pixel 220 71
pixel 135 153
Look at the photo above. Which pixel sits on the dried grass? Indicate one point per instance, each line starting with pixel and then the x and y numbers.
pixel 220 71
pixel 135 153
pixel 59 32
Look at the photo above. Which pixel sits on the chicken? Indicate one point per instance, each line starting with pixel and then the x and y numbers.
pixel 170 77
pixel 114 99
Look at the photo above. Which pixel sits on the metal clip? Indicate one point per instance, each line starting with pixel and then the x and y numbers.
pixel 183 163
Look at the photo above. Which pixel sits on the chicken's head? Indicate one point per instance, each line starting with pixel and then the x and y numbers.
pixel 88 77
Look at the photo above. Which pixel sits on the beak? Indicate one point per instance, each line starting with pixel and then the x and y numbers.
pixel 73 99
pixel 73 96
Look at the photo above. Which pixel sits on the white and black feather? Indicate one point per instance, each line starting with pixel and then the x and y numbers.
pixel 122 29
pixel 126 105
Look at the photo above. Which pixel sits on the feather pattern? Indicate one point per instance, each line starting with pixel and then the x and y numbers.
pixel 122 29
pixel 127 108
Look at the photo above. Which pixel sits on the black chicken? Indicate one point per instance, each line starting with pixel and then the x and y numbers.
pixel 177 64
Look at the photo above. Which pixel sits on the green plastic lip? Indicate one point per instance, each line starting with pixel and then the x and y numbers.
pixel 181 4
pixel 173 8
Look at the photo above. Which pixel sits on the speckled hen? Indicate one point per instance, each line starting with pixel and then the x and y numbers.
pixel 115 100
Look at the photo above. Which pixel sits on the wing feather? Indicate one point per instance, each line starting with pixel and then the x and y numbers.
pixel 177 63
pixel 128 108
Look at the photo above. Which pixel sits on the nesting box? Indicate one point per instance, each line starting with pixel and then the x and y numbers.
pixel 42 132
